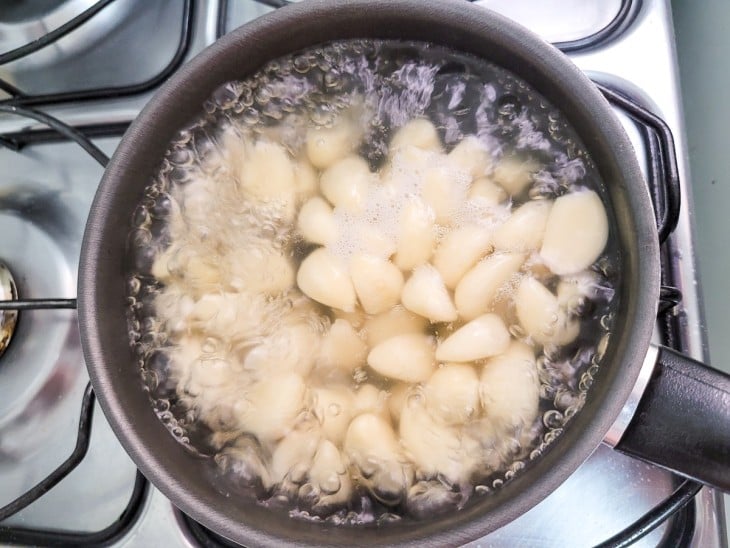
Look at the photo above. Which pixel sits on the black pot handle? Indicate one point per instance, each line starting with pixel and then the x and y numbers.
pixel 682 421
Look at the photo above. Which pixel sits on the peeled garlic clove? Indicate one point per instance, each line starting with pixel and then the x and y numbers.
pixel 372 447
pixel 567 331
pixel 536 267
pixel 568 292
pixel 369 399
pixel 509 388
pixel 471 156
pixel 346 183
pixel 306 180
pixel 374 242
pixel 212 311
pixel 487 191
pixel 300 306
pixel 407 358
pixel 233 147
pixel 196 197
pixel 181 358
pixel 356 318
pixel 481 338
pixel 234 316
pixel 425 293
pixel 504 307
pixel 397 321
pixel 444 190
pixel 329 474
pixel 514 174
pixel 540 314
pixel 485 441
pixel 264 270
pixel 212 306
pixel 452 393
pixel 342 347
pixel 242 468
pixel 296 450
pixel 327 460
pixel 416 236
pixel 316 222
pixel 433 447
pixel 200 272
pixel 477 290
pixel 267 172
pixel 576 232
pixel 291 348
pixel 397 399
pixel 272 406
pixel 161 265
pixel 573 290
pixel 324 278
pixel 369 436
pixel 333 407
pixel 524 229
pixel 378 283
pixel 211 373
pixel 459 251
pixel 420 133
pixel 405 168
pixel 325 146
pixel 427 499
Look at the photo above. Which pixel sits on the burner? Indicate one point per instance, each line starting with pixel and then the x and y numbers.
pixel 8 318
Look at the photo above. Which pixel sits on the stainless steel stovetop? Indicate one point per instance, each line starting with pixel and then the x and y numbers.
pixel 116 59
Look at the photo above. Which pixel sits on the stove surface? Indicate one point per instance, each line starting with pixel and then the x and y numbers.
pixel 45 194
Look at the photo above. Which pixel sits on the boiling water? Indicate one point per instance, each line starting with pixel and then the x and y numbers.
pixel 198 246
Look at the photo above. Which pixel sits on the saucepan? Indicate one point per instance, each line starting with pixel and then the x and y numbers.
pixel 646 400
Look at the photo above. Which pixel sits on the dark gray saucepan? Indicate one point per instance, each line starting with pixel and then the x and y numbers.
pixel 683 419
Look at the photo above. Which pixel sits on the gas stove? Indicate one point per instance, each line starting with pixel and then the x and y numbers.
pixel 100 62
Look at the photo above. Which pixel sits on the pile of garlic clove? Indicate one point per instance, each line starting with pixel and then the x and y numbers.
pixel 399 355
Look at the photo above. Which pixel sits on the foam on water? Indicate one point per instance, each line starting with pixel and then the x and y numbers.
pixel 213 311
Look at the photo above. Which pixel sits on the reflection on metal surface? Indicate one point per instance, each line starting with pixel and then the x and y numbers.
pixel 558 20
pixel 597 501
pixel 8 318
pixel 125 43
pixel 614 434
pixel 45 196
pixel 37 224
pixel 23 22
